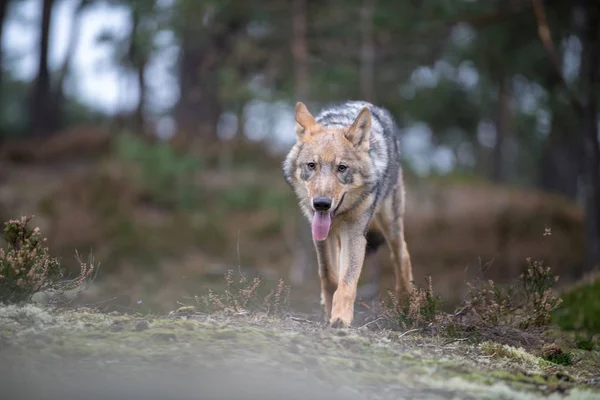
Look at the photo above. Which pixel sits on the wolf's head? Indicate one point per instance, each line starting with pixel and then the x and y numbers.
pixel 328 167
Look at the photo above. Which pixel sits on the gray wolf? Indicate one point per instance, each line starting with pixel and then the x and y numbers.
pixel 345 170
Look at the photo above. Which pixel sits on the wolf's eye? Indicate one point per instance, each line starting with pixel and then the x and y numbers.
pixel 311 165
pixel 342 168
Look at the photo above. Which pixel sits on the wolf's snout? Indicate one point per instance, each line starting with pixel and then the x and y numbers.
pixel 322 204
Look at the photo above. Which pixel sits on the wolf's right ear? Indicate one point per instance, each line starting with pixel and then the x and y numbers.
pixel 304 120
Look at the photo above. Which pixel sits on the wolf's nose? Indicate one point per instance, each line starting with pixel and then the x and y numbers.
pixel 322 203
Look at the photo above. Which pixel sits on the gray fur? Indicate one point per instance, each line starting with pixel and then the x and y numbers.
pixel 385 149
pixel 384 142
pixel 381 197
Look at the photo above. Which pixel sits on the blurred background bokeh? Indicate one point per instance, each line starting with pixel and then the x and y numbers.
pixel 152 132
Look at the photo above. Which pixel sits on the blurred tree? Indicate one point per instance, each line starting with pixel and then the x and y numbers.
pixel 207 31
pixel 132 52
pixel 3 13
pixel 42 116
pixel 588 18
pixel 299 45
pixel 367 53
pixel 60 103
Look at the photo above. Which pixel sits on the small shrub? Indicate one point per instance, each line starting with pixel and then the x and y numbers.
pixel 487 308
pixel 585 344
pixel 422 307
pixel 554 354
pixel 26 266
pixel 243 297
pixel 489 302
pixel 528 302
pixel 537 284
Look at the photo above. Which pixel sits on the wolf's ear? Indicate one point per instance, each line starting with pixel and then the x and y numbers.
pixel 304 120
pixel 358 134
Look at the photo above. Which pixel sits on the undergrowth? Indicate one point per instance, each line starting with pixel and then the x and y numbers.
pixel 526 303
pixel 244 296
pixel 27 268
pixel 420 309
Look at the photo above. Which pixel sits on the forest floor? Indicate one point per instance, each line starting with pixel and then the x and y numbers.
pixel 82 353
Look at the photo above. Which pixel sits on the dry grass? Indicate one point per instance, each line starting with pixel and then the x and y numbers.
pixel 244 297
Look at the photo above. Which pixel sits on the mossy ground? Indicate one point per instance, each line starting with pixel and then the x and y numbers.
pixel 350 363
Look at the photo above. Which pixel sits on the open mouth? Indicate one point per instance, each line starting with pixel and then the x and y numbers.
pixel 321 223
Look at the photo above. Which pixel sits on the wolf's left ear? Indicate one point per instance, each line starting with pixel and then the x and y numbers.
pixel 359 132
pixel 304 120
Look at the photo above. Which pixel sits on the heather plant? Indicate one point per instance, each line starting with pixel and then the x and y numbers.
pixel 540 302
pixel 243 296
pixel 488 302
pixel 528 302
pixel 27 268
pixel 422 307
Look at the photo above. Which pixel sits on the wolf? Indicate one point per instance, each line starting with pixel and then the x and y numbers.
pixel 345 170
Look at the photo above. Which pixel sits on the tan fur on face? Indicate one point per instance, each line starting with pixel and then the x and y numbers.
pixel 328 148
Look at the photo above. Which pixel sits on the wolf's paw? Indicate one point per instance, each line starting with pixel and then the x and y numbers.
pixel 342 320
pixel 338 324
pixel 342 311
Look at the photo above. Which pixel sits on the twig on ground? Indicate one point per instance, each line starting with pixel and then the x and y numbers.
pixel 410 331
pixel 100 302
pixel 296 319
pixel 370 322
pixel 454 340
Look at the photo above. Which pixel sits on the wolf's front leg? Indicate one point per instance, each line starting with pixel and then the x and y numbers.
pixel 353 247
pixel 328 259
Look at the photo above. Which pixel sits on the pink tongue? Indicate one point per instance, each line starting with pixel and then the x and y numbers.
pixel 320 225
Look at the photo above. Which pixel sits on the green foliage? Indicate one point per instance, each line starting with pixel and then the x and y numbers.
pixel 26 266
pixel 561 359
pixel 554 354
pixel 585 344
pixel 166 175
pixel 580 310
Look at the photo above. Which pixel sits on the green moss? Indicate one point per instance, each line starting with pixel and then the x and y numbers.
pixel 509 352
pixel 186 309
pixel 563 358
pixel 585 344
pixel 580 309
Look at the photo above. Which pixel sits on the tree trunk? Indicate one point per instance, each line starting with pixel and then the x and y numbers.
pixel 590 76
pixel 140 119
pixel 3 10
pixel 58 101
pixel 367 51
pixel 138 61
pixel 303 238
pixel 300 50
pixel 42 119
pixel 502 131
pixel 199 108
pixel 561 167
